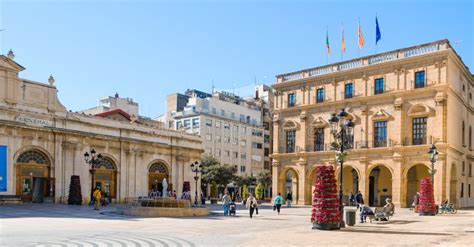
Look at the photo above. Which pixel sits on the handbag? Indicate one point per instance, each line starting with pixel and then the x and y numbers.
pixel 274 207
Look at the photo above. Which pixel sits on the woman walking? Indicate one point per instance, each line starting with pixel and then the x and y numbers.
pixel 277 202
pixel 251 205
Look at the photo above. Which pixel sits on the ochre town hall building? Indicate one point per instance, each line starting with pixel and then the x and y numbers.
pixel 401 101
pixel 42 145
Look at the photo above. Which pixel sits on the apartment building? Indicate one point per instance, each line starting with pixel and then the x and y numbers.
pixel 231 128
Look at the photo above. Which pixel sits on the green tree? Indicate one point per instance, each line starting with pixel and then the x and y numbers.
pixel 213 189
pixel 264 178
pixel 245 192
pixel 209 165
pixel 259 191
pixel 244 180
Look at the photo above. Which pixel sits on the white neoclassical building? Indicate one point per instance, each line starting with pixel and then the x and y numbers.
pixel 42 145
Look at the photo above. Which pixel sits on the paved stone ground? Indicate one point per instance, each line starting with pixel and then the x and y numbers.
pixel 62 225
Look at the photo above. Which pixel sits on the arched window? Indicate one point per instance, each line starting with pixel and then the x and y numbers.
pixel 158 168
pixel 33 156
pixel 107 163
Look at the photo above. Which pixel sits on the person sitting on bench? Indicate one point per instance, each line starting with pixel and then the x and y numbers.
pixel 387 210
pixel 364 212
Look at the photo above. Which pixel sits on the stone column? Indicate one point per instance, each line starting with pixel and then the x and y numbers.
pixel 276 134
pixel 301 139
pixel 397 195
pixel 364 179
pixel 399 121
pixel 440 179
pixel 276 183
pixel 302 167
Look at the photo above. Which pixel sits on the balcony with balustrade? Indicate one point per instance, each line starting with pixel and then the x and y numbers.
pixel 362 62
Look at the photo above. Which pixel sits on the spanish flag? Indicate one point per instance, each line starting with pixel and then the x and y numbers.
pixel 343 45
pixel 361 37
pixel 328 50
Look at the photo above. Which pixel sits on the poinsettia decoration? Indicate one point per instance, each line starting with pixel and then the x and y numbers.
pixel 325 200
pixel 427 205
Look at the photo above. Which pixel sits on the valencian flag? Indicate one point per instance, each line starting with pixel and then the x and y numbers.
pixel 343 45
pixel 328 50
pixel 361 37
pixel 378 34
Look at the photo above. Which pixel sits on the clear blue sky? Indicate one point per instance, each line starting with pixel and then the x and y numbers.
pixel 148 49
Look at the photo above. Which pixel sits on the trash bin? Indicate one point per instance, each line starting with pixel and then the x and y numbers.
pixel 350 216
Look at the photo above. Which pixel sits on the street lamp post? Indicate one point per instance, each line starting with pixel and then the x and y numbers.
pixel 433 155
pixel 196 168
pixel 93 160
pixel 342 131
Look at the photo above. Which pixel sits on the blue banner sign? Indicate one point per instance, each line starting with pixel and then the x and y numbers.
pixel 3 168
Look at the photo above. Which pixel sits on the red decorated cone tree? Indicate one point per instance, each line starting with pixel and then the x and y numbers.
pixel 427 205
pixel 325 214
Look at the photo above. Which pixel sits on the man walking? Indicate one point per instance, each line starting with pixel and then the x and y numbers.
pixel 359 199
pixel 289 199
pixel 226 201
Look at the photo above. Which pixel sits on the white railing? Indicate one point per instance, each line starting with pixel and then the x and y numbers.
pixel 349 65
pixel 320 71
pixel 294 76
pixel 420 50
pixel 366 61
pixel 383 58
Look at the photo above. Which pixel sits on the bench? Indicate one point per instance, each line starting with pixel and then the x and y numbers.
pixel 381 213
pixel 10 199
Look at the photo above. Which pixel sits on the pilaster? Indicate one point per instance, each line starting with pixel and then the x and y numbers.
pixel 302 167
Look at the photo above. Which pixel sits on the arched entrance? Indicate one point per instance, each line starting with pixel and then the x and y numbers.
pixel 453 185
pixel 291 184
pixel 33 176
pixel 156 173
pixel 414 175
pixel 380 185
pixel 105 177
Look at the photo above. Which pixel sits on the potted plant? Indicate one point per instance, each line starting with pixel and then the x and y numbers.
pixel 325 212
pixel 427 205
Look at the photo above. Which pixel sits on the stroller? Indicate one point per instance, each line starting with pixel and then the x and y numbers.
pixel 232 208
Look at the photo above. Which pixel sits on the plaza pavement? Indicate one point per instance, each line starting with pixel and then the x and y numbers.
pixel 63 225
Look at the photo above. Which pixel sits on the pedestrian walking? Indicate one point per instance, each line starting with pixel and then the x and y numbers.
pixel 225 202
pixel 97 196
pixel 359 199
pixel 416 199
pixel 289 199
pixel 351 199
pixel 277 202
pixel 251 204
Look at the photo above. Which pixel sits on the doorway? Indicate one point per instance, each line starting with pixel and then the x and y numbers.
pixel 33 181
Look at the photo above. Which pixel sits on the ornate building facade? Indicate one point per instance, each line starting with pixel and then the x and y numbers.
pixel 401 102
pixel 42 145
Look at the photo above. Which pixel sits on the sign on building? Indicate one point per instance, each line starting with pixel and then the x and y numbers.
pixel 3 168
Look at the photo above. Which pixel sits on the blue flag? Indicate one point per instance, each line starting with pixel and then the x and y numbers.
pixel 378 34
